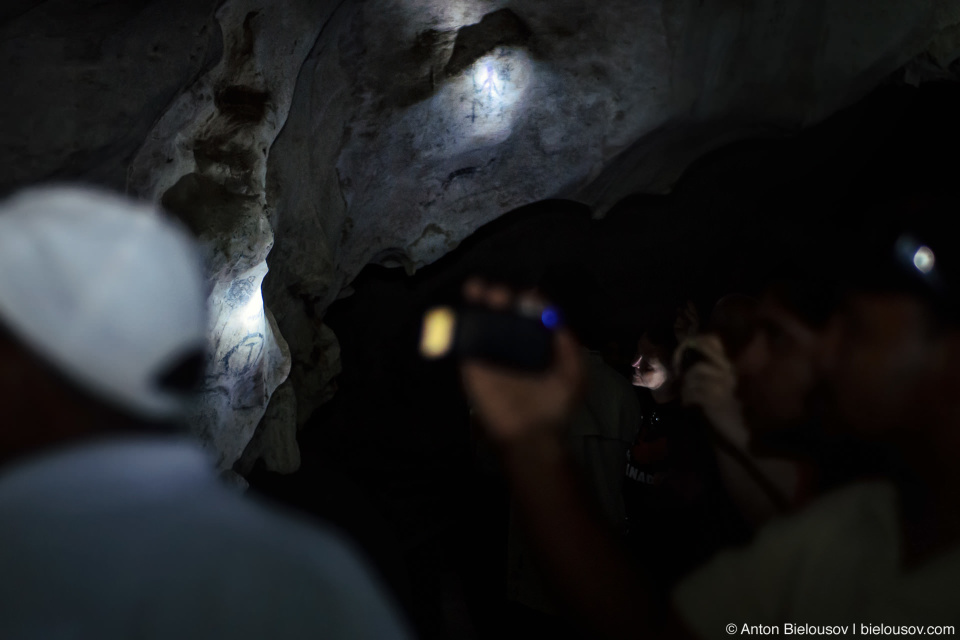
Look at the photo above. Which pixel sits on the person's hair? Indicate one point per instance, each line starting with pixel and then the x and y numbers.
pixel 661 334
pixel 732 319
pixel 810 299
pixel 804 276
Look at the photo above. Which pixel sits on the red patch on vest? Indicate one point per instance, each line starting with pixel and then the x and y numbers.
pixel 647 452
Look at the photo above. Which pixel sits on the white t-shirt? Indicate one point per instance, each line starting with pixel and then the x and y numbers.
pixel 836 563
pixel 139 539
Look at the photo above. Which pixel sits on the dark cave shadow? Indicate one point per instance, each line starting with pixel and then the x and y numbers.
pixel 393 458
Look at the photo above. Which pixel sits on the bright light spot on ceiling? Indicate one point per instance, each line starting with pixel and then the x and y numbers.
pixel 487 81
pixel 489 96
pixel 482 74
pixel 477 108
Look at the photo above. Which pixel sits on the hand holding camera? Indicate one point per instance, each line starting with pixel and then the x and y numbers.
pixel 709 381
pixel 522 376
pixel 518 336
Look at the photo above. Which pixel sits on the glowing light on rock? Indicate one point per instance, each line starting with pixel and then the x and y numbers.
pixel 242 335
pixel 482 74
pixel 490 95
pixel 487 81
pixel 493 90
pixel 477 108
pixel 251 313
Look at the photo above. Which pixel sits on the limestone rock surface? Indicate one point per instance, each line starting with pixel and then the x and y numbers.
pixel 84 81
pixel 415 122
pixel 318 137
pixel 205 160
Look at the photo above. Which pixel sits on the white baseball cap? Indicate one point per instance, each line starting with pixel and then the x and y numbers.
pixel 106 289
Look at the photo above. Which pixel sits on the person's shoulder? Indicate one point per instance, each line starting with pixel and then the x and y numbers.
pixel 599 371
pixel 842 514
pixel 610 408
pixel 272 529
pixel 161 524
pixel 827 546
pixel 852 503
pixel 316 575
pixel 837 519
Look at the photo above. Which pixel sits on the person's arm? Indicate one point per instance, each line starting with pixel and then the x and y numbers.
pixel 525 414
pixel 760 487
pixel 578 552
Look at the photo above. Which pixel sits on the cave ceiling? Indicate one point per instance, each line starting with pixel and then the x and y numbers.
pixel 311 138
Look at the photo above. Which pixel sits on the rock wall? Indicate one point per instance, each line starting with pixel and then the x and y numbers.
pixel 84 82
pixel 416 122
pixel 318 137
pixel 205 161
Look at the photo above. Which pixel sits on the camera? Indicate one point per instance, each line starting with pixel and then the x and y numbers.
pixel 519 338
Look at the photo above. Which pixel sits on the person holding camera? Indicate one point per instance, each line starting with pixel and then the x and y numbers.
pixel 596 436
pixel 884 548
pixel 762 484
pixel 882 551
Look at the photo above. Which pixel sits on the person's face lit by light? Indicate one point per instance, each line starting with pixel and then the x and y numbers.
pixel 649 370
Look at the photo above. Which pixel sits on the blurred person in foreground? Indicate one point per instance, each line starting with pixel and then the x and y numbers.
pixel 885 550
pixel 759 385
pixel 595 436
pixel 763 350
pixel 882 552
pixel 114 523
